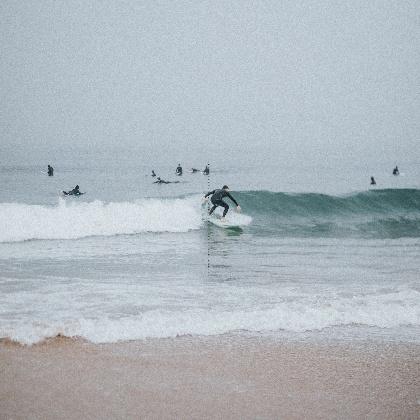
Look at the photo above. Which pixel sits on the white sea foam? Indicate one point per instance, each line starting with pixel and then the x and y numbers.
pixel 72 220
pixel 306 313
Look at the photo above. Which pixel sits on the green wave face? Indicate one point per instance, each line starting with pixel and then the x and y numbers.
pixel 377 214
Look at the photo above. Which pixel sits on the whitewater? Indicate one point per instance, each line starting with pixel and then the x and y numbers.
pixel 73 220
pixel 129 263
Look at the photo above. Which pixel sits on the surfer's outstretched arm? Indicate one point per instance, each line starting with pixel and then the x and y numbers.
pixel 209 193
pixel 228 195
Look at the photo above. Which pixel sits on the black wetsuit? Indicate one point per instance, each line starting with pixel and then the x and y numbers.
pixel 161 181
pixel 217 200
pixel 74 191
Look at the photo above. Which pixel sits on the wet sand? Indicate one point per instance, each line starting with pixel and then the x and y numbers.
pixel 219 377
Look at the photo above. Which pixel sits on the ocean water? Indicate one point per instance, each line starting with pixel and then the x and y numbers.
pixel 317 251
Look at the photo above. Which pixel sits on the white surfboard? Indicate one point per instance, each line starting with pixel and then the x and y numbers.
pixel 232 220
pixel 217 221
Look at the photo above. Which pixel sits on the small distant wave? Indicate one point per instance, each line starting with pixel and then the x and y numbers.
pixel 20 222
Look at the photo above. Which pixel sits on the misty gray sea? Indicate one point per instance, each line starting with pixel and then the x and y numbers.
pixel 318 251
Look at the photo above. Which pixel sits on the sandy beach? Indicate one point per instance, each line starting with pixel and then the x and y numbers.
pixel 219 377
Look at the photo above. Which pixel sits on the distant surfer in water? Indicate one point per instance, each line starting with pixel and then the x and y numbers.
pixel 217 200
pixel 153 173
pixel 194 170
pixel 372 181
pixel 179 170
pixel 50 170
pixel 395 171
pixel 206 170
pixel 161 181
pixel 74 191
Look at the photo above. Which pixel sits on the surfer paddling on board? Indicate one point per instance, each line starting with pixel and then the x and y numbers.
pixel 74 191
pixel 217 200
pixel 161 181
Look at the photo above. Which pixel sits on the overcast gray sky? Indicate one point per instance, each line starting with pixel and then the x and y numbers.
pixel 306 77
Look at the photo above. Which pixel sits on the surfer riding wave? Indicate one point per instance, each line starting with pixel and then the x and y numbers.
pixel 217 200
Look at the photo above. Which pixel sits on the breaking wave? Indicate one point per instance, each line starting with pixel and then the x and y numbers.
pixel 20 222
pixel 392 213
pixel 310 313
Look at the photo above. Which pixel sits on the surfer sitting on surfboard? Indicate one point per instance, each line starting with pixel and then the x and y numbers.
pixel 217 200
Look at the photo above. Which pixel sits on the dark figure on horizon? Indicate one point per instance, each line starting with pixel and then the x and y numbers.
pixel 194 170
pixel 217 200
pixel 395 171
pixel 206 170
pixel 74 191
pixel 179 170
pixel 153 173
pixel 372 181
pixel 50 170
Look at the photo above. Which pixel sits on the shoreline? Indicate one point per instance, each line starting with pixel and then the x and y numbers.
pixel 209 377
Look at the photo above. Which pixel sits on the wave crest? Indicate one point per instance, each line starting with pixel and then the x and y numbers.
pixel 391 213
